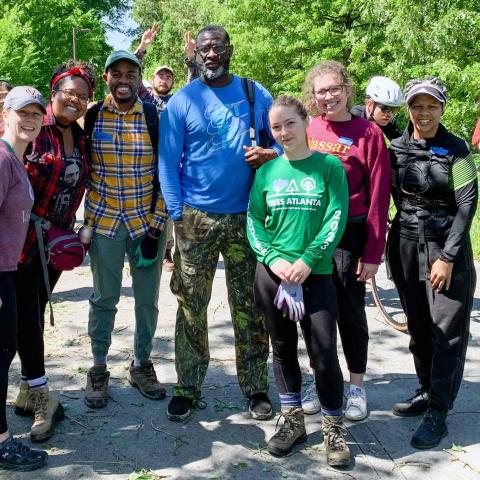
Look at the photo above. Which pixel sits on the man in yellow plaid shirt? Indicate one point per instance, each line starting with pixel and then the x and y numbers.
pixel 127 214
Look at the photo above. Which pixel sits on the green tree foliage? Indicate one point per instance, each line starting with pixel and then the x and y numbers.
pixel 34 39
pixel 276 41
pixel 174 17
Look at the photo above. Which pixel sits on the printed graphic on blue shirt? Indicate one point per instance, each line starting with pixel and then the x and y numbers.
pixel 226 123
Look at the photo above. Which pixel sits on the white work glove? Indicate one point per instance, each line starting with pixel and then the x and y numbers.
pixel 289 298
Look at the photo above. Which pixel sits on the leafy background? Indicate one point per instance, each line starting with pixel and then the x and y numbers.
pixel 275 41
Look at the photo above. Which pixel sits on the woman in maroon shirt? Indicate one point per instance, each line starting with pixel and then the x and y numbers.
pixel 22 115
pixel 361 147
pixel 57 166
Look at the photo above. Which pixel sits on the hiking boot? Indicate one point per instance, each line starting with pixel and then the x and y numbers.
pixel 260 406
pixel 47 411
pixel 310 402
pixel 96 392
pixel 431 431
pixel 179 408
pixel 334 433
pixel 145 379
pixel 415 405
pixel 23 403
pixel 16 456
pixel 356 409
pixel 168 264
pixel 291 432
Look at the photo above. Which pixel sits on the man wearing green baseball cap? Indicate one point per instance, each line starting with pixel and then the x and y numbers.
pixel 124 214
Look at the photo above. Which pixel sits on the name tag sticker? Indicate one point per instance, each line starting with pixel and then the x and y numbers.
pixel 103 136
pixel 439 150
pixel 345 141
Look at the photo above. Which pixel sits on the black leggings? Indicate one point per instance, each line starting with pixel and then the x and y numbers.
pixel 8 339
pixel 319 328
pixel 438 323
pixel 31 304
pixel 352 319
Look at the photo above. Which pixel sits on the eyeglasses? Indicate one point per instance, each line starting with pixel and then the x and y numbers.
pixel 387 109
pixel 218 49
pixel 334 91
pixel 72 94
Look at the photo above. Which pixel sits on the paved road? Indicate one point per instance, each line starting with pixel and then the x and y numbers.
pixel 222 442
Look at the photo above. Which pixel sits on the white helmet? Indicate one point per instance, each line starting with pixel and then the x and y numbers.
pixel 385 91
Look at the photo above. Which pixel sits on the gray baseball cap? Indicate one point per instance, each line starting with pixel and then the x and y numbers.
pixel 426 87
pixel 19 97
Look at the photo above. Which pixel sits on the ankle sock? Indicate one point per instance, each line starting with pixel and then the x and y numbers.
pixel 100 361
pixel 289 400
pixel 137 362
pixel 331 413
pixel 36 383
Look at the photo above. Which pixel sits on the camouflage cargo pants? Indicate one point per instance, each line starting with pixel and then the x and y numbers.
pixel 200 237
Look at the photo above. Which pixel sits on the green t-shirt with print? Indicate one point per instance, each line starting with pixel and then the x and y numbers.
pixel 298 209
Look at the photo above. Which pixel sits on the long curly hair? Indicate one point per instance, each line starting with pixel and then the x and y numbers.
pixel 324 68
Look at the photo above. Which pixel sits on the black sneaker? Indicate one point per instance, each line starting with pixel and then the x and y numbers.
pixel 416 405
pixel 16 456
pixel 260 406
pixel 431 431
pixel 179 408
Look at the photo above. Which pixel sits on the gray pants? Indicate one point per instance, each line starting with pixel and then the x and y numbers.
pixel 107 256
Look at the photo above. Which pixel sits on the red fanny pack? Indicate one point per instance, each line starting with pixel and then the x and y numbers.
pixel 64 249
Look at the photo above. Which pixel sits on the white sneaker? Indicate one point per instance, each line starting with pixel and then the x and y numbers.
pixel 310 402
pixel 356 404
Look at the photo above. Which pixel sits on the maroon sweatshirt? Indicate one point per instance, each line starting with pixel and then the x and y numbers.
pixel 16 200
pixel 360 145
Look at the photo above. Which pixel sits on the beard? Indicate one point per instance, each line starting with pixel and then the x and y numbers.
pixel 162 91
pixel 212 75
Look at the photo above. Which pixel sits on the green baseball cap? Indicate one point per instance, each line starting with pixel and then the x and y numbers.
pixel 122 55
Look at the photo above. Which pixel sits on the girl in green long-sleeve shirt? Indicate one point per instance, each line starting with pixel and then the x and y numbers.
pixel 296 216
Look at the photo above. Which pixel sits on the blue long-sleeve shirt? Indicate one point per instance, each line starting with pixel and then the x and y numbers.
pixel 201 159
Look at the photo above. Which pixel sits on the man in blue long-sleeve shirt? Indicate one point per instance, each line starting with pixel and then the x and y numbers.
pixel 206 170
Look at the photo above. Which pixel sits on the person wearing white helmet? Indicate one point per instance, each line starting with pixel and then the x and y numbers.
pixel 383 99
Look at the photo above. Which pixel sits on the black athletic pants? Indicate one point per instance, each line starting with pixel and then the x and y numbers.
pixel 438 322
pixel 319 328
pixel 8 339
pixel 352 319
pixel 32 300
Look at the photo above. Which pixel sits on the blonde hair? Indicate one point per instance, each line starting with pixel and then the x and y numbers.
pixel 324 68
pixel 291 102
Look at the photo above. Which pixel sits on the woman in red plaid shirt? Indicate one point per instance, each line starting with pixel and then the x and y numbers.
pixel 57 167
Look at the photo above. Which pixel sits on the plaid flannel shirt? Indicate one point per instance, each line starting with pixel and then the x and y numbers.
pixel 123 165
pixel 45 164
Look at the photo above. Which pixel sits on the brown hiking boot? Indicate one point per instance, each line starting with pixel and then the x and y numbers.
pixel 47 410
pixel 334 433
pixel 24 403
pixel 168 264
pixel 145 379
pixel 96 392
pixel 291 432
